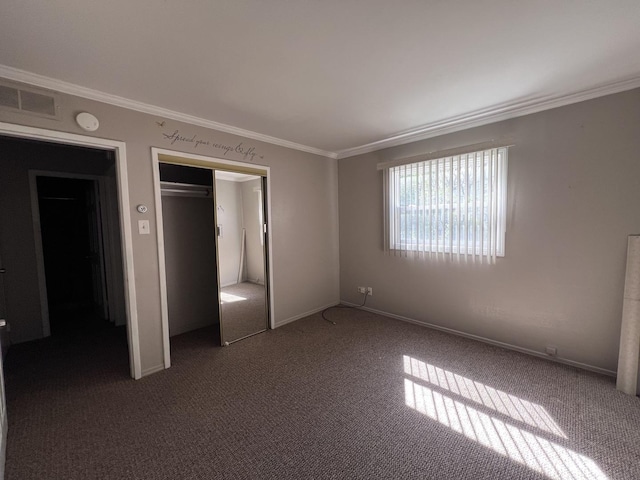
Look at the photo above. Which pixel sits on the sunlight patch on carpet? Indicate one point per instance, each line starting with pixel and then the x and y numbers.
pixel 230 298
pixel 510 405
pixel 536 452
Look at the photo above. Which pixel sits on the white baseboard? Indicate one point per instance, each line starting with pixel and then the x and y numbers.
pixel 508 346
pixel 243 281
pixel 151 370
pixel 305 314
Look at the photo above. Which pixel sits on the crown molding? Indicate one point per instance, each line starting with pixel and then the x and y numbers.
pixel 491 115
pixel 478 118
pixel 42 81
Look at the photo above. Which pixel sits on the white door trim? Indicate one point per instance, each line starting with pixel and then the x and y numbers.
pixel 119 148
pixel 162 272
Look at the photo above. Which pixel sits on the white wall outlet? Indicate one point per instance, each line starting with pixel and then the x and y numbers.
pixel 551 351
pixel 370 291
pixel 362 290
pixel 143 227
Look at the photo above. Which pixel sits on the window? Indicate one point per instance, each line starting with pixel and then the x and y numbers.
pixel 453 205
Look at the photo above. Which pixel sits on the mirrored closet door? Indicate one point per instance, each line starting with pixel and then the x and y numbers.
pixel 215 251
pixel 240 228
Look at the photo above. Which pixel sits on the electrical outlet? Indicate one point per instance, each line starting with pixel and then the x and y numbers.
pixel 362 290
pixel 551 351
pixel 370 291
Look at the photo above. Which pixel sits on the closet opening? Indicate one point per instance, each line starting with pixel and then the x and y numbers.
pixel 213 248
pixel 189 249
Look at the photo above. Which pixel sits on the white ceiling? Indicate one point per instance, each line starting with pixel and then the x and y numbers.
pixel 331 76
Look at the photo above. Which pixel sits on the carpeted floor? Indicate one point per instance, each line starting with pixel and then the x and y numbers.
pixel 243 310
pixel 369 398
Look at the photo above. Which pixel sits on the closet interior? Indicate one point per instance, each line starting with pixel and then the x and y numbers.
pixel 214 227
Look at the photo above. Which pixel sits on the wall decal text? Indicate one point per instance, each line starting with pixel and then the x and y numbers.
pixel 247 152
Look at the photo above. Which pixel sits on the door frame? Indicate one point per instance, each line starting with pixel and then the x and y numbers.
pixel 190 159
pixel 4 425
pixel 119 149
pixel 105 239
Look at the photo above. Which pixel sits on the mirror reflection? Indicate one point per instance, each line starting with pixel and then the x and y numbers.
pixel 241 254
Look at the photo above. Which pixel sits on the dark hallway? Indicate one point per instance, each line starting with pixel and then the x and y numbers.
pixel 59 238
pixel 61 246
pixel 72 252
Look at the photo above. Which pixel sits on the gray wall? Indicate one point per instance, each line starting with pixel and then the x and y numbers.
pixel 304 206
pixel 574 196
pixel 255 252
pixel 190 260
pixel 239 210
pixel 17 239
pixel 229 216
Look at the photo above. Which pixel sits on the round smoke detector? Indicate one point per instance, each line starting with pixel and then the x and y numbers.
pixel 87 121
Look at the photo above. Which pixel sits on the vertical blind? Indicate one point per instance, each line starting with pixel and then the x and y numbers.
pixel 453 206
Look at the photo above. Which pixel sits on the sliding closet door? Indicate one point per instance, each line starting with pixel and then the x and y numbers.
pixel 240 220
pixel 215 249
pixel 190 249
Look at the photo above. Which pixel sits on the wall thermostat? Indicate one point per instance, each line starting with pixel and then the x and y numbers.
pixel 142 208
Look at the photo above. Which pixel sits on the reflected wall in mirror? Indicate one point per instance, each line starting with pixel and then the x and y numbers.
pixel 241 255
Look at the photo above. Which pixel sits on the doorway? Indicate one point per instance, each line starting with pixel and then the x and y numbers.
pixel 236 239
pixel 55 228
pixel 12 271
pixel 73 253
pixel 24 283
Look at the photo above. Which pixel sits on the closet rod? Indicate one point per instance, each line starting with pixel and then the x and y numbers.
pixel 204 193
pixel 185 188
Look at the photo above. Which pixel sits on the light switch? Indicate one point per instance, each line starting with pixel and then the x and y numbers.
pixel 143 227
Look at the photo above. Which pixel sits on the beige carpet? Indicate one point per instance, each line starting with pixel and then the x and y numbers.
pixel 368 398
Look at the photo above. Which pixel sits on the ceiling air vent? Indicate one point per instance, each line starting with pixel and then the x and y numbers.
pixel 28 101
